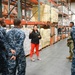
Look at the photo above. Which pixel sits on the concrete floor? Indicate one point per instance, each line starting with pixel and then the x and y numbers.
pixel 53 61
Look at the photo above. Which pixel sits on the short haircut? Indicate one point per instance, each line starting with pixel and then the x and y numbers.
pixel 17 22
pixel 72 23
pixel 1 21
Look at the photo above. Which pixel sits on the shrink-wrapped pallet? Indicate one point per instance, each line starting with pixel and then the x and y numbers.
pixel 27 41
pixel 46 13
pixel 45 42
pixel 56 34
pixel 35 9
pixel 45 33
pixel 41 33
pixel 42 43
pixel 54 15
pixel 63 9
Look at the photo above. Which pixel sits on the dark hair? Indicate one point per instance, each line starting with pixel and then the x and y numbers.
pixel 72 23
pixel 35 25
pixel 2 23
pixel 17 22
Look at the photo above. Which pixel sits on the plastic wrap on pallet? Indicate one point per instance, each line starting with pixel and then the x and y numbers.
pixel 45 13
pixel 54 15
pixel 45 33
pixel 56 34
pixel 27 41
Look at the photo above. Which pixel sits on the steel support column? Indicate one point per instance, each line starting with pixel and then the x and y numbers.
pixel 70 9
pixel 58 17
pixel 62 14
pixel 25 9
pixel 39 12
pixel 19 10
pixel 0 8
pixel 50 11
pixel 8 8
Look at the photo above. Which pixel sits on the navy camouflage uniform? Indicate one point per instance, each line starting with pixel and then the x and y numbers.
pixel 3 52
pixel 73 60
pixel 73 63
pixel 15 38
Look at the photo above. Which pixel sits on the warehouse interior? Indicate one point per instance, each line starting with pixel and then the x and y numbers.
pixel 50 16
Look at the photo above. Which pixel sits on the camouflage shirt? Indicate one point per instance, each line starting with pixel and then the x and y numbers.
pixel 15 38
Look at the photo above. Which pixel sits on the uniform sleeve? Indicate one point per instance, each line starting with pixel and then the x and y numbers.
pixel 19 43
pixel 7 47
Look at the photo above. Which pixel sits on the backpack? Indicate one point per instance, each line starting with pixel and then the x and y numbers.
pixel 73 33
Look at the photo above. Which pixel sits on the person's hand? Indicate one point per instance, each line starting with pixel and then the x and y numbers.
pixel 30 32
pixel 13 58
pixel 13 51
pixel 39 36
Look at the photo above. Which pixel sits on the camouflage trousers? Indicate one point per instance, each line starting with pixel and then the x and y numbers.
pixel 19 64
pixel 71 52
pixel 3 64
pixel 73 64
